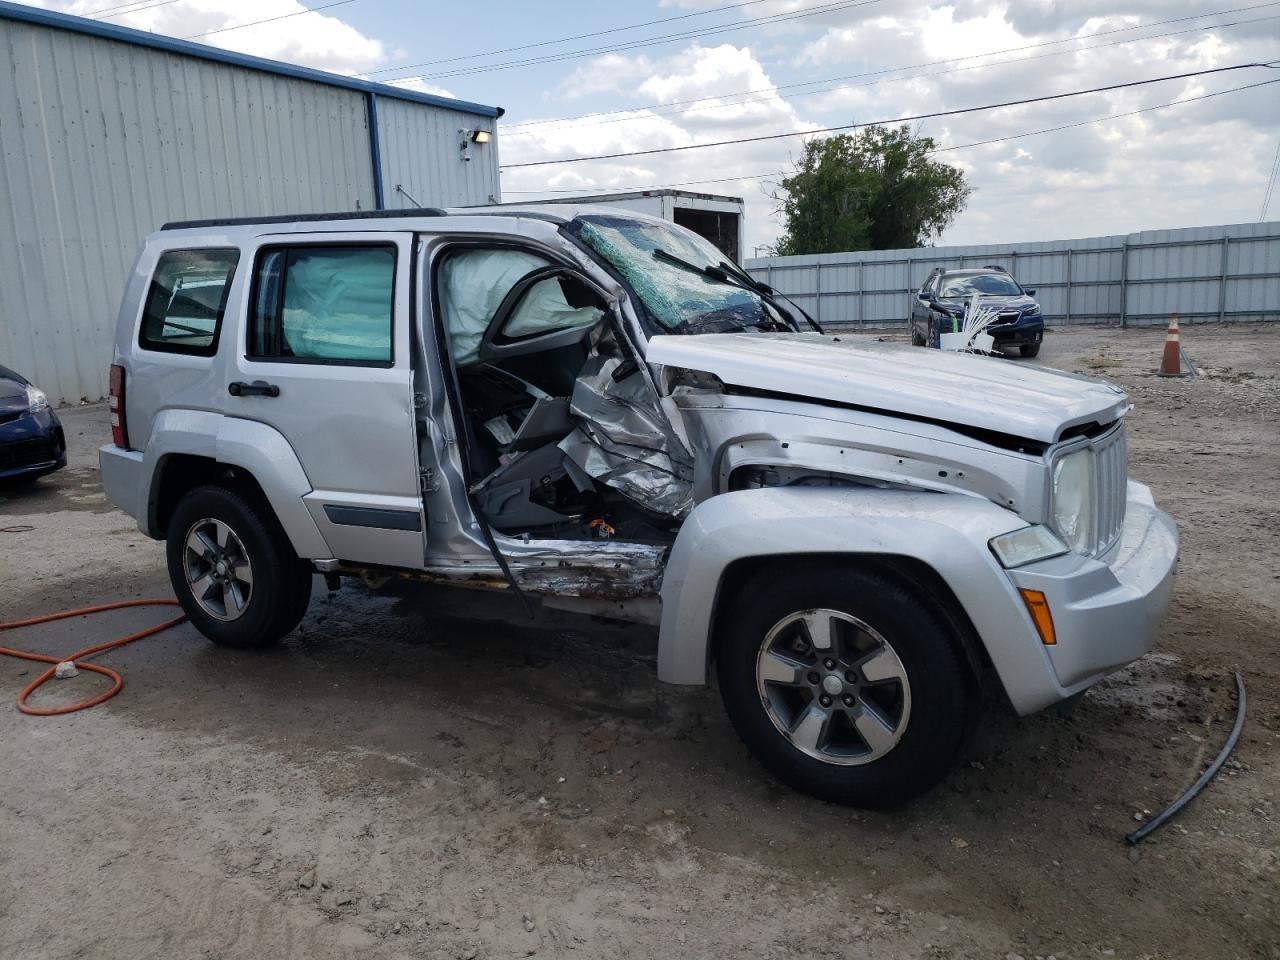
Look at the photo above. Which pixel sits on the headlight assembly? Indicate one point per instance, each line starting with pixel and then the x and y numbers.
pixel 1027 545
pixel 1073 500
pixel 36 400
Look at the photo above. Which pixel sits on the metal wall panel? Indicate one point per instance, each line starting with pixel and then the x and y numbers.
pixel 421 152
pixel 102 141
pixel 1202 273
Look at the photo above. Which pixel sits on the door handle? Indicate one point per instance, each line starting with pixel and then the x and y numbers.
pixel 259 388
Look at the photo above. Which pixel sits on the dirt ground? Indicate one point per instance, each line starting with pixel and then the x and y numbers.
pixel 429 775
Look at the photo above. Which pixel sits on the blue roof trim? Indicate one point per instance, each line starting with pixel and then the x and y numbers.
pixel 95 28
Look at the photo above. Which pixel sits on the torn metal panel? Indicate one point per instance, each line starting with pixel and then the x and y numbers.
pixel 624 441
pixel 573 568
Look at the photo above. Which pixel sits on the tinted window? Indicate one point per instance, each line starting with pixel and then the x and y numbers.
pixel 186 301
pixel 323 304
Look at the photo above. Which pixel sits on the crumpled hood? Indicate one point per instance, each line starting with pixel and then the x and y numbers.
pixel 989 393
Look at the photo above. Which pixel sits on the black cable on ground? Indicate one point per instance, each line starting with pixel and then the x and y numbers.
pixel 1167 814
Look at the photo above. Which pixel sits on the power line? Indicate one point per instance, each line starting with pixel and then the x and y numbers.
pixel 664 186
pixel 875 123
pixel 959 146
pixel 579 36
pixel 632 114
pixel 1271 183
pixel 831 7
pixel 254 23
pixel 137 7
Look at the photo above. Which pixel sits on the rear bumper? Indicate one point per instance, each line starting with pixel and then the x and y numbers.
pixel 1106 614
pixel 32 445
pixel 122 476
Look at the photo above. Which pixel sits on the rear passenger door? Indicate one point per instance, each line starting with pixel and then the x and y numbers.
pixel 324 357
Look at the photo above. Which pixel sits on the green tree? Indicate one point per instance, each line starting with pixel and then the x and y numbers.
pixel 873 190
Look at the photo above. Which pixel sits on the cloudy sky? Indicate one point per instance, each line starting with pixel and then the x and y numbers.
pixel 659 73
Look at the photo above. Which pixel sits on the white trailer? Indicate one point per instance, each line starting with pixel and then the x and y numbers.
pixel 715 217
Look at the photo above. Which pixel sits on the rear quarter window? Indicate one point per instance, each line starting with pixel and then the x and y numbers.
pixel 186 301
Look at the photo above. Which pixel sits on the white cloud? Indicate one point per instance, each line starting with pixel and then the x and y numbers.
pixel 312 39
pixel 696 72
pixel 421 86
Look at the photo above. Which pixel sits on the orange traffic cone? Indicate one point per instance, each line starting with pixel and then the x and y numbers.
pixel 1171 363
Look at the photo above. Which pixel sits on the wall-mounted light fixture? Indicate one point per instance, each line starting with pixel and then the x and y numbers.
pixel 467 137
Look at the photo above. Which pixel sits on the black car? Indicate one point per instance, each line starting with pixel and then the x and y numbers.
pixel 31 439
pixel 941 302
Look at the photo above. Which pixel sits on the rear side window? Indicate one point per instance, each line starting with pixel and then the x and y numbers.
pixel 323 304
pixel 186 301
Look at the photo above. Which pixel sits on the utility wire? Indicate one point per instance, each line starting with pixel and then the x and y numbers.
pixel 579 36
pixel 254 23
pixel 106 12
pixel 912 66
pixel 1271 183
pixel 959 146
pixel 632 114
pixel 831 7
pixel 874 123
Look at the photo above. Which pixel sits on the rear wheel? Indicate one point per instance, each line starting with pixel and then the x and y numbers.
pixel 844 685
pixel 1030 349
pixel 233 570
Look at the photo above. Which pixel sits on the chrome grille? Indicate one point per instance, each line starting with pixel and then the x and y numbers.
pixel 1110 484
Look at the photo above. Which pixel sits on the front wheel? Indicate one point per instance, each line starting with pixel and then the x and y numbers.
pixel 1030 349
pixel 844 685
pixel 233 570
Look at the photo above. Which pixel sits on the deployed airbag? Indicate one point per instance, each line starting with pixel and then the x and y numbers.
pixel 473 284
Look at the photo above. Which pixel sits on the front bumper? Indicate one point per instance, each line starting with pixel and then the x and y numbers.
pixel 32 444
pixel 1107 612
pixel 1019 333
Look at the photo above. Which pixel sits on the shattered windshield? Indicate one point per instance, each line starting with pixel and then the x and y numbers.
pixel 679 297
pixel 983 284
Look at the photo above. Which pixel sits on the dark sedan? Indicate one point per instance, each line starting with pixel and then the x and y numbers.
pixel 940 306
pixel 31 439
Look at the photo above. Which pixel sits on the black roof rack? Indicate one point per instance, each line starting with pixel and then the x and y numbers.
pixel 307 218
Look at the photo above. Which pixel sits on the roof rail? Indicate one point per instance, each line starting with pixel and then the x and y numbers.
pixel 307 218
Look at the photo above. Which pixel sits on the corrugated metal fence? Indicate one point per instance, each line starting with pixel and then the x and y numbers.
pixel 1202 273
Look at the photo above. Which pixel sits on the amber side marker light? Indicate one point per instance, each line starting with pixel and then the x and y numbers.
pixel 1038 607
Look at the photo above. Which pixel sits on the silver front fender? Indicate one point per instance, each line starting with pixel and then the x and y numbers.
pixel 947 532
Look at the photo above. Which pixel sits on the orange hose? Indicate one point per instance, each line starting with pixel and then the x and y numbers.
pixel 117 680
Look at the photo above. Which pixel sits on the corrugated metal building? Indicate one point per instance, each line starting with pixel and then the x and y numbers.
pixel 1202 273
pixel 106 133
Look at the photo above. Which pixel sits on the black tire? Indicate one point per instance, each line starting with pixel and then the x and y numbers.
pixel 1030 349
pixel 281 583
pixel 931 338
pixel 916 339
pixel 943 700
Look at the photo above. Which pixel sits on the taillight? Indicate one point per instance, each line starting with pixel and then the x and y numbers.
pixel 115 400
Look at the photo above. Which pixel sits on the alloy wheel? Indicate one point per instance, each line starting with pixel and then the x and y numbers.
pixel 833 687
pixel 217 569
